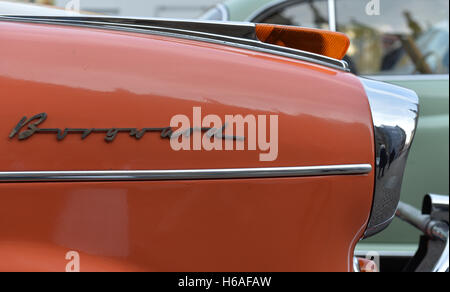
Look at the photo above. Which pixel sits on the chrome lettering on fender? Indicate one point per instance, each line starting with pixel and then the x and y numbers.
pixel 32 127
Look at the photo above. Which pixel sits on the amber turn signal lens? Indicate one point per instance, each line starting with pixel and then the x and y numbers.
pixel 327 43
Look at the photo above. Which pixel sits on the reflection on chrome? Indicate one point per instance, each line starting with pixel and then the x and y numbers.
pixel 395 114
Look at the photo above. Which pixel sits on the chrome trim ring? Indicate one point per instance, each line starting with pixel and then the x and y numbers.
pixel 395 113
pixel 189 174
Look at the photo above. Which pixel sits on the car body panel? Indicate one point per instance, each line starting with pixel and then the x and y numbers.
pixel 84 77
pixel 238 225
pixel 145 90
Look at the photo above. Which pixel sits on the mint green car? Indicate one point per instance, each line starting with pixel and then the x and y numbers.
pixel 405 42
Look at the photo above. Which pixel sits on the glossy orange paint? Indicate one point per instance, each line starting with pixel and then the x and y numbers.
pixel 84 78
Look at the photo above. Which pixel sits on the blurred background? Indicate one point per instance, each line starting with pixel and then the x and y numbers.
pixel 139 8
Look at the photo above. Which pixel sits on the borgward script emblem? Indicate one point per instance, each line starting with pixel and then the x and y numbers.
pixel 32 128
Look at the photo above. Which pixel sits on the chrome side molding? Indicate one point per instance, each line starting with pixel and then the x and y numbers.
pixel 234 34
pixel 188 174
pixel 395 113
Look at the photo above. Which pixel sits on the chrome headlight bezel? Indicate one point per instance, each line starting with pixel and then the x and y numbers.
pixel 395 113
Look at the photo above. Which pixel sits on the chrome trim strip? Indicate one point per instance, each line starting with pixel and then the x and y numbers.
pixel 240 35
pixel 188 174
pixel 395 113
pixel 226 29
